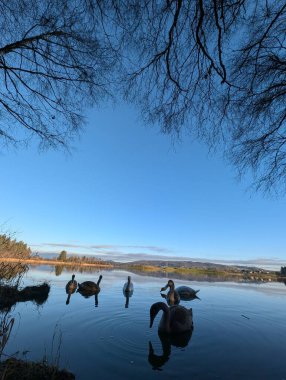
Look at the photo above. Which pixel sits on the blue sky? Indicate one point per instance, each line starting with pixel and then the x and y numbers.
pixel 127 189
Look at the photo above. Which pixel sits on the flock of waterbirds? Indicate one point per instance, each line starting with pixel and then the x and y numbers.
pixel 174 329
pixel 90 288
pixel 175 319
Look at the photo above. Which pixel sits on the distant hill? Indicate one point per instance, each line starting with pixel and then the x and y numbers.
pixel 183 264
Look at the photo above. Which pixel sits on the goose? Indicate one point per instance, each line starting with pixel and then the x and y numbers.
pixel 173 297
pixel 175 319
pixel 70 288
pixel 90 286
pixel 128 286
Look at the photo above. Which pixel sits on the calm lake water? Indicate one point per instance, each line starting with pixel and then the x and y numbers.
pixel 239 330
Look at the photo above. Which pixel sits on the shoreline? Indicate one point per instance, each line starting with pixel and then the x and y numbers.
pixel 53 262
pixel 200 273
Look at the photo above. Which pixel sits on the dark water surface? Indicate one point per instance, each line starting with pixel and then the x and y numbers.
pixel 239 330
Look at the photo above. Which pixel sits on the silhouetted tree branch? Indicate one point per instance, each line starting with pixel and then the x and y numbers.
pixel 53 63
pixel 214 67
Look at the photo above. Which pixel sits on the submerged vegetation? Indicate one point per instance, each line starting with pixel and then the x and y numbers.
pixel 11 271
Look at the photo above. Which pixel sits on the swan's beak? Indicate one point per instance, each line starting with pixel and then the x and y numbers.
pixel 164 288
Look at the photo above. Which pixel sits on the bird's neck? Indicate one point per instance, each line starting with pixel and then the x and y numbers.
pixel 165 320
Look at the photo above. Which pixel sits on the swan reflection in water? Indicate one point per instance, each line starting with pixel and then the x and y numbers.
pixel 89 288
pixel 71 287
pixel 88 294
pixel 128 290
pixel 167 341
pixel 175 328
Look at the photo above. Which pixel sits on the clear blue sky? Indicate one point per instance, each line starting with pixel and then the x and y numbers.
pixel 126 188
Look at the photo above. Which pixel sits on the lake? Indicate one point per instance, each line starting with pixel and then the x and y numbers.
pixel 239 329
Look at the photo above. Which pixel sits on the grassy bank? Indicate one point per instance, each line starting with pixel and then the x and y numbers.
pixel 36 261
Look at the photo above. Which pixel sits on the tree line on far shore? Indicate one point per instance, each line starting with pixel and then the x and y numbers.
pixel 11 248
pixel 63 256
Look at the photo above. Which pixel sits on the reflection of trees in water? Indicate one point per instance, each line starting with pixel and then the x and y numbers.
pixel 12 272
pixel 76 268
pixel 211 277
pixel 167 341
pixel 11 275
pixel 59 269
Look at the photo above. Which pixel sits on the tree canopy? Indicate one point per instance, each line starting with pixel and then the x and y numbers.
pixel 214 67
pixel 62 256
pixel 53 62
pixel 11 248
